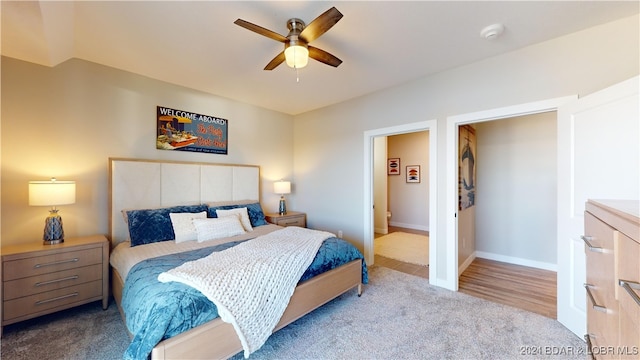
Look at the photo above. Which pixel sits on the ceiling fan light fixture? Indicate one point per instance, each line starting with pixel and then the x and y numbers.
pixel 296 56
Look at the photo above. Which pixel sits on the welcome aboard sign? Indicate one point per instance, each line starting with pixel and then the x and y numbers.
pixel 185 131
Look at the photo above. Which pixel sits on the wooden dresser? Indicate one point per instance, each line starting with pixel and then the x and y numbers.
pixel 612 239
pixel 40 279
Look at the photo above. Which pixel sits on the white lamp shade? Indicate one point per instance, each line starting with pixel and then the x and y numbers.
pixel 52 193
pixel 296 56
pixel 282 187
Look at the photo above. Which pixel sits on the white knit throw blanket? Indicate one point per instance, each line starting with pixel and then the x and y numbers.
pixel 251 283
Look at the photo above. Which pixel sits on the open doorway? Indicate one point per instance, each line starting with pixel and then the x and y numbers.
pixel 507 224
pixel 454 239
pixel 401 198
pixel 430 173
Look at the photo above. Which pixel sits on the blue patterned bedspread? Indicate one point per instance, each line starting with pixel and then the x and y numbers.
pixel 156 311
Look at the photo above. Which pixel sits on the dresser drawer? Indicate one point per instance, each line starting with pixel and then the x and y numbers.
pixel 292 221
pixel 629 271
pixel 37 303
pixel 600 258
pixel 52 281
pixel 21 268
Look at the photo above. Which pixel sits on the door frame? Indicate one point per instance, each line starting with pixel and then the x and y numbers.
pixel 369 135
pixel 451 198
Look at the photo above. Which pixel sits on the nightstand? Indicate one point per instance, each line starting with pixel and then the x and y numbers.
pixel 291 218
pixel 41 279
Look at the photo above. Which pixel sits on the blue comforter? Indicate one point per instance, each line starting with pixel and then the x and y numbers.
pixel 156 311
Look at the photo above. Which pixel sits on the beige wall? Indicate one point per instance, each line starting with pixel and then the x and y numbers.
pixel 409 202
pixel 579 63
pixel 68 120
pixel 517 184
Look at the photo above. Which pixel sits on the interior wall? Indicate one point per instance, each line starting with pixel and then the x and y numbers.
pixel 66 122
pixel 333 198
pixel 380 185
pixel 409 202
pixel 516 199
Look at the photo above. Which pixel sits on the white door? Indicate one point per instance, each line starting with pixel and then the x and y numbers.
pixel 598 158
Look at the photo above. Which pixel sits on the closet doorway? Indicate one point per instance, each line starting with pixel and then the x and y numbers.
pixel 507 228
pixel 461 227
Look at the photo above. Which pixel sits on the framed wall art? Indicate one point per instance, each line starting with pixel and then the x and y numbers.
pixel 413 173
pixel 466 167
pixel 393 166
pixel 186 131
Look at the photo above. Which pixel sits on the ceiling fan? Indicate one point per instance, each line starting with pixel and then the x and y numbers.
pixel 296 44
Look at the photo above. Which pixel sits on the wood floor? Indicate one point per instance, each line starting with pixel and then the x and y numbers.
pixel 523 287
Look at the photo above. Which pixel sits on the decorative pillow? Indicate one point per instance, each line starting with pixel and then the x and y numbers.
pixel 216 228
pixel 256 215
pixel 242 212
pixel 183 226
pixel 147 226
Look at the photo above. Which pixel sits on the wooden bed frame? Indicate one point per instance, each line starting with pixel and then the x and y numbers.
pixel 215 339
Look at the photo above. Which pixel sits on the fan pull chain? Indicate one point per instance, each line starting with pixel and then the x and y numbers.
pixel 297 76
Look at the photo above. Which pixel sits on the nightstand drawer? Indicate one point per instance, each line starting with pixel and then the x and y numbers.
pixel 21 268
pixel 37 303
pixel 293 221
pixel 291 218
pixel 52 281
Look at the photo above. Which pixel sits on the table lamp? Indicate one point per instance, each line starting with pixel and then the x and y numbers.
pixel 282 187
pixel 52 193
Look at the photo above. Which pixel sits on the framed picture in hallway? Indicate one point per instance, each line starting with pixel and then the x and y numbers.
pixel 413 173
pixel 393 166
pixel 467 168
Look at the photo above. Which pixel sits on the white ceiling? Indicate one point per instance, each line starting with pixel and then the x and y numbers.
pixel 196 44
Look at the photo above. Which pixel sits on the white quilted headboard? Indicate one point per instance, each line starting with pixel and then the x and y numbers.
pixel 148 184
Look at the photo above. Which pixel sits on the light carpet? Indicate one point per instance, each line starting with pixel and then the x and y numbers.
pixel 398 316
pixel 410 248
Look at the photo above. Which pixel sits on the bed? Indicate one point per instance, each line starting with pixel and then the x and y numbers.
pixel 140 187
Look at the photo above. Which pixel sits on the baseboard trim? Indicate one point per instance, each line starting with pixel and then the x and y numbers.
pixel 516 261
pixel 383 231
pixel 462 267
pixel 409 226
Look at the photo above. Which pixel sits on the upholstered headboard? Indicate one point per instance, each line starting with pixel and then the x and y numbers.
pixel 148 184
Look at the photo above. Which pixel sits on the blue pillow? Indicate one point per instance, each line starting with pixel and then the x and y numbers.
pixel 154 225
pixel 256 216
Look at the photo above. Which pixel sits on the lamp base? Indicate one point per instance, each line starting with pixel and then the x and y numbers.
pixel 52 242
pixel 282 209
pixel 53 231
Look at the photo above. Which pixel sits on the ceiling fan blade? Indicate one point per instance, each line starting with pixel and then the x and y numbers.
pixel 260 30
pixel 323 56
pixel 321 24
pixel 279 59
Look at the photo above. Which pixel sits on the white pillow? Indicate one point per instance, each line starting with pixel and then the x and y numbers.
pixel 216 228
pixel 244 216
pixel 183 226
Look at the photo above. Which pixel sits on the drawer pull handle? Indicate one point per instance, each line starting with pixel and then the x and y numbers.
pixel 57 280
pixel 37 266
pixel 586 240
pixel 629 286
pixel 593 301
pixel 56 298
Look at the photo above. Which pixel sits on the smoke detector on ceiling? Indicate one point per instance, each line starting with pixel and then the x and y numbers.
pixel 492 32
